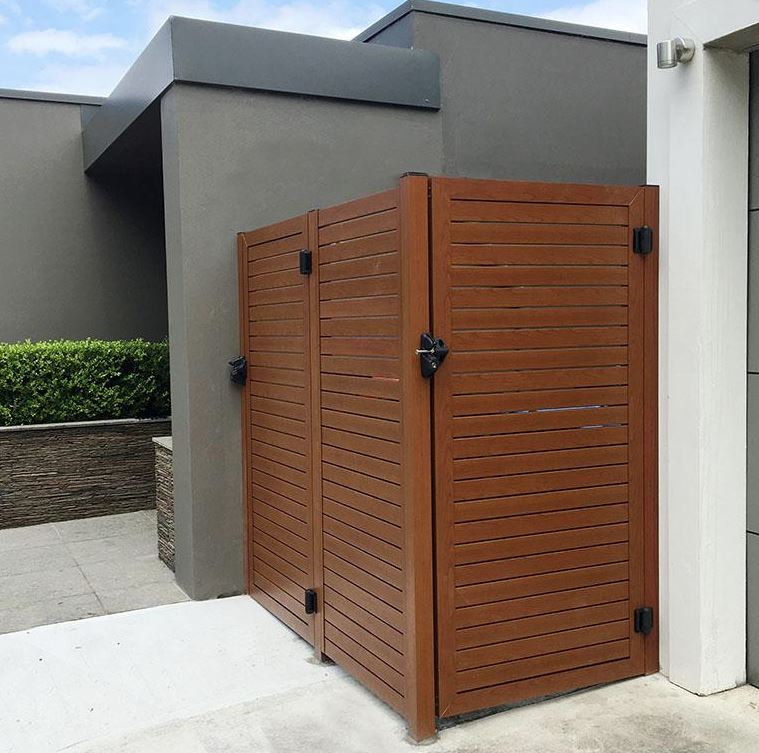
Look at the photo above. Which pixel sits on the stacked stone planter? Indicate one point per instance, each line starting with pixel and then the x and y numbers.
pixel 54 472
pixel 164 498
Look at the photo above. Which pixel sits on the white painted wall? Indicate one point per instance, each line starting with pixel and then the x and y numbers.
pixel 698 154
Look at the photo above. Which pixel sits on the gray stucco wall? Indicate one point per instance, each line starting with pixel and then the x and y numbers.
pixel 523 104
pixel 235 160
pixel 516 105
pixel 78 257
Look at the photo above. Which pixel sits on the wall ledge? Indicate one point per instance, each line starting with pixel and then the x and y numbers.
pixel 81 424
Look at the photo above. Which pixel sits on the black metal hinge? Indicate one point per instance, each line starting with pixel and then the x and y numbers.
pixel 238 370
pixel 644 620
pixel 305 262
pixel 643 240
pixel 309 601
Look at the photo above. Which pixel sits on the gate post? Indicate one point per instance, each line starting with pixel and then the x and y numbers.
pixel 417 443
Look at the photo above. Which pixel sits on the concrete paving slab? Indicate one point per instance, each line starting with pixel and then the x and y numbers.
pixel 100 527
pixel 50 611
pixel 35 559
pixel 126 572
pixel 141 596
pixel 98 566
pixel 25 589
pixel 30 536
pixel 226 677
pixel 128 545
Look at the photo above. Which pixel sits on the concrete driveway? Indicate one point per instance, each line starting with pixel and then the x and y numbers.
pixel 225 676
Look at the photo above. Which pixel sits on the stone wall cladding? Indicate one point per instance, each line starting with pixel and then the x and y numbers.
pixel 60 472
pixel 164 486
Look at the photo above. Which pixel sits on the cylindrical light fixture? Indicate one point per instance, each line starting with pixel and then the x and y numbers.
pixel 673 51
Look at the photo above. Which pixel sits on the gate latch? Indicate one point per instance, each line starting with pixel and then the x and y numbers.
pixel 238 370
pixel 432 352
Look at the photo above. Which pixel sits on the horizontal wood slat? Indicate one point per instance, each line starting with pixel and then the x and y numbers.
pixel 544 583
pixel 536 297
pixel 527 627
pixel 521 212
pixel 528 606
pixel 557 316
pixel 543 665
pixel 507 276
pixel 494 254
pixel 519 525
pixel 545 644
pixel 537 233
pixel 536 564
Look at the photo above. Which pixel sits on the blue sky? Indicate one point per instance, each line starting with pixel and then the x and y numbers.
pixel 84 46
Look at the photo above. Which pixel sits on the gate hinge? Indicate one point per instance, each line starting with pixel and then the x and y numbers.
pixel 310 601
pixel 644 620
pixel 305 262
pixel 643 240
pixel 238 371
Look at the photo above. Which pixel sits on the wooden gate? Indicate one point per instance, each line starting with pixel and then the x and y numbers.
pixel 542 412
pixel 276 420
pixel 339 425
pixel 527 463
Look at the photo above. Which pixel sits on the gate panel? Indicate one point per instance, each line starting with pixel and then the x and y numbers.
pixel 540 438
pixel 376 506
pixel 277 421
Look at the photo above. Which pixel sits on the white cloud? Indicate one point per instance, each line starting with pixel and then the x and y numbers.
pixel 341 19
pixel 47 41
pixel 85 9
pixel 12 6
pixel 626 15
pixel 93 79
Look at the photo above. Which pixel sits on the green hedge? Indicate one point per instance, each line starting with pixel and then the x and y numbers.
pixel 83 380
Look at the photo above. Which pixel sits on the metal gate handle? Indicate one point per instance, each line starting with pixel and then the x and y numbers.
pixel 432 352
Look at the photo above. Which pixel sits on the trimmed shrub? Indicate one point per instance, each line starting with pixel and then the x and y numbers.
pixel 83 380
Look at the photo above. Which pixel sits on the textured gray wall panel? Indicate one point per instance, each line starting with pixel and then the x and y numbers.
pixel 68 472
pixel 235 160
pixel 78 257
pixel 527 105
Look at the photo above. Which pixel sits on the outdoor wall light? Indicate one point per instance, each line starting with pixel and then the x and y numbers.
pixel 673 51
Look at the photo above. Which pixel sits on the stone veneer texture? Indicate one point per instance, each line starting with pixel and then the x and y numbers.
pixel 164 483
pixel 68 471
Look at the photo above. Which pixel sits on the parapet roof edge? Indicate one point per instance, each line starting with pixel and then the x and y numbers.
pixel 216 54
pixel 55 97
pixel 497 17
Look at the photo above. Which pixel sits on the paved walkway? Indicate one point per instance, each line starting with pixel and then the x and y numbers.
pixel 81 568
pixel 225 676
